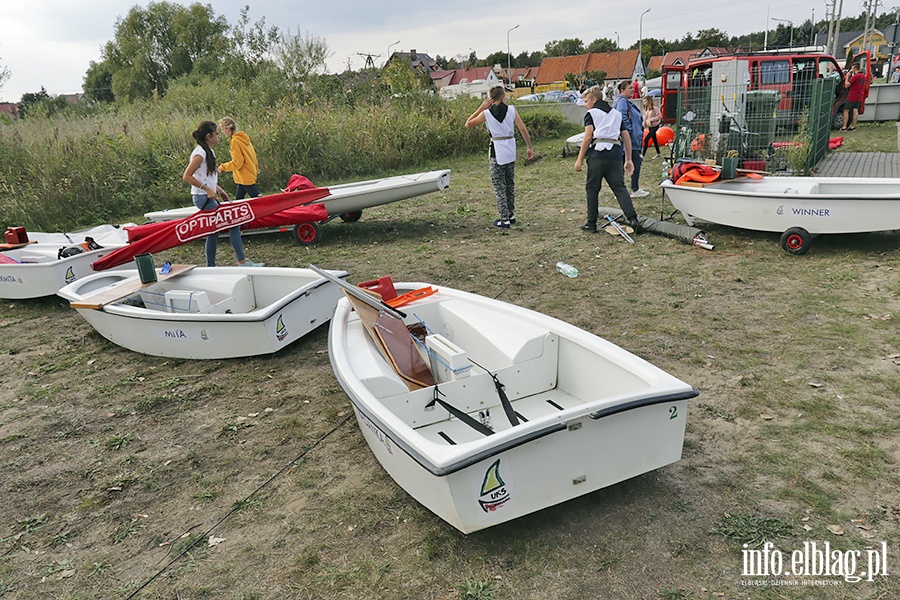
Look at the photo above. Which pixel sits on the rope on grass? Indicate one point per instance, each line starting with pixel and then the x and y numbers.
pixel 238 506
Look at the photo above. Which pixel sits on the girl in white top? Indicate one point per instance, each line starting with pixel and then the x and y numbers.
pixel 501 121
pixel 203 176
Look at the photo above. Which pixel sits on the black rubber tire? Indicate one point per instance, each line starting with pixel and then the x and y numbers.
pixel 307 233
pixel 837 120
pixel 351 217
pixel 796 240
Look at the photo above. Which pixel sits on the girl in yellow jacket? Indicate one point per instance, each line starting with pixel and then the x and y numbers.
pixel 243 160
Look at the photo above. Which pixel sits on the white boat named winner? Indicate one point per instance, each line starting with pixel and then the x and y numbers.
pixel 38 269
pixel 796 207
pixel 206 312
pixel 515 411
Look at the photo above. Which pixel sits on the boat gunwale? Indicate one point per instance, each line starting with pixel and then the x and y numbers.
pixel 344 191
pixel 60 261
pixel 720 188
pixel 512 442
pixel 254 316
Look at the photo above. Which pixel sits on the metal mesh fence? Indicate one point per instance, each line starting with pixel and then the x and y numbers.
pixel 784 129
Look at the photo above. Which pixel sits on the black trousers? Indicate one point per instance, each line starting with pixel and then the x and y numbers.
pixel 611 170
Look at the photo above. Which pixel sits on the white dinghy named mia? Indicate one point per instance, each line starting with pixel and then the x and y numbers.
pixel 206 312
pixel 507 412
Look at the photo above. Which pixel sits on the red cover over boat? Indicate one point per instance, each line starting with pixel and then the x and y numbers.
pixel 266 211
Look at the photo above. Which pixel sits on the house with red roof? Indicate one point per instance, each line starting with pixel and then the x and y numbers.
pixel 618 66
pixel 10 109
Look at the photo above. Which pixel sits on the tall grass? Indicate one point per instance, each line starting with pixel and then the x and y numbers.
pixel 61 173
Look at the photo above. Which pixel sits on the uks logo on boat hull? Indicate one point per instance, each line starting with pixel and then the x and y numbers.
pixel 204 223
pixel 70 275
pixel 494 493
pixel 281 331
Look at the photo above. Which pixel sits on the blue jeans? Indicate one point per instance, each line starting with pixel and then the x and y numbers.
pixel 250 191
pixel 204 202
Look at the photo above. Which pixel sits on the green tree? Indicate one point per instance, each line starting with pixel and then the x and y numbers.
pixel 154 45
pixel 711 37
pixel 655 47
pixel 97 83
pixel 30 99
pixel 400 78
pixel 252 44
pixel 299 56
pixel 567 47
pixel 603 45
pixel 499 58
pixel 525 59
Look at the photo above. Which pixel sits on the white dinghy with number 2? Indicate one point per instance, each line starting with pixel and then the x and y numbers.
pixel 484 411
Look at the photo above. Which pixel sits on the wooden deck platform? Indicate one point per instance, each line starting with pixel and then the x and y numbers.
pixel 859 164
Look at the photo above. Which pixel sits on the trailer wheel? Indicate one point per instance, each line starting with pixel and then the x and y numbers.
pixel 351 217
pixel 307 233
pixel 796 240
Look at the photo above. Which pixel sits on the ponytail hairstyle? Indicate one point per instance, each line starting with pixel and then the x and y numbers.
pixel 204 129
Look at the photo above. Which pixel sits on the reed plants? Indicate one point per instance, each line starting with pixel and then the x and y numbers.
pixel 108 165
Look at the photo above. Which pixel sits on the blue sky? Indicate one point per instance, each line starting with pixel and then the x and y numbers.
pixel 50 43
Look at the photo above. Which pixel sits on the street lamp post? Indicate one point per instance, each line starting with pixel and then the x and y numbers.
pixel 508 59
pixel 791 43
pixel 618 57
pixel 641 40
pixel 389 51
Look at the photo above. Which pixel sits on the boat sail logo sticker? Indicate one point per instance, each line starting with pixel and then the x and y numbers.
pixel 281 331
pixel 494 492
pixel 780 210
pixel 70 275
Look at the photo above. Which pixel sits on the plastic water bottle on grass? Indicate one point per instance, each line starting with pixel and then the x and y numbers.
pixel 566 269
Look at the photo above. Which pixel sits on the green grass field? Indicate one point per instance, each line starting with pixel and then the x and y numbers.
pixel 115 463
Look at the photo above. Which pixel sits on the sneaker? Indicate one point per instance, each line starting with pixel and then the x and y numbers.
pixel 657 156
pixel 592 227
pixel 636 225
pixel 512 219
pixel 250 263
pixel 639 193
pixel 501 223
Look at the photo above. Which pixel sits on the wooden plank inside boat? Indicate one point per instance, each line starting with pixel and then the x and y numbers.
pixel 396 344
pixel 8 246
pixel 127 288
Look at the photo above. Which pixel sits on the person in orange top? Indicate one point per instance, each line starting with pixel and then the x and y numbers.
pixel 243 163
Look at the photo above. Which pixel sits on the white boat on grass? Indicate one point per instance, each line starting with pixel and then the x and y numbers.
pixel 797 207
pixel 509 411
pixel 38 268
pixel 205 312
pixel 346 201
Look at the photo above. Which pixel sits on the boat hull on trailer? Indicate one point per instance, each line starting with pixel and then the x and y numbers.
pixel 589 413
pixel 41 272
pixel 353 197
pixel 819 205
pixel 209 312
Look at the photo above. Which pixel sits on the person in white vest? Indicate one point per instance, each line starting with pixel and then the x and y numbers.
pixel 606 142
pixel 502 120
